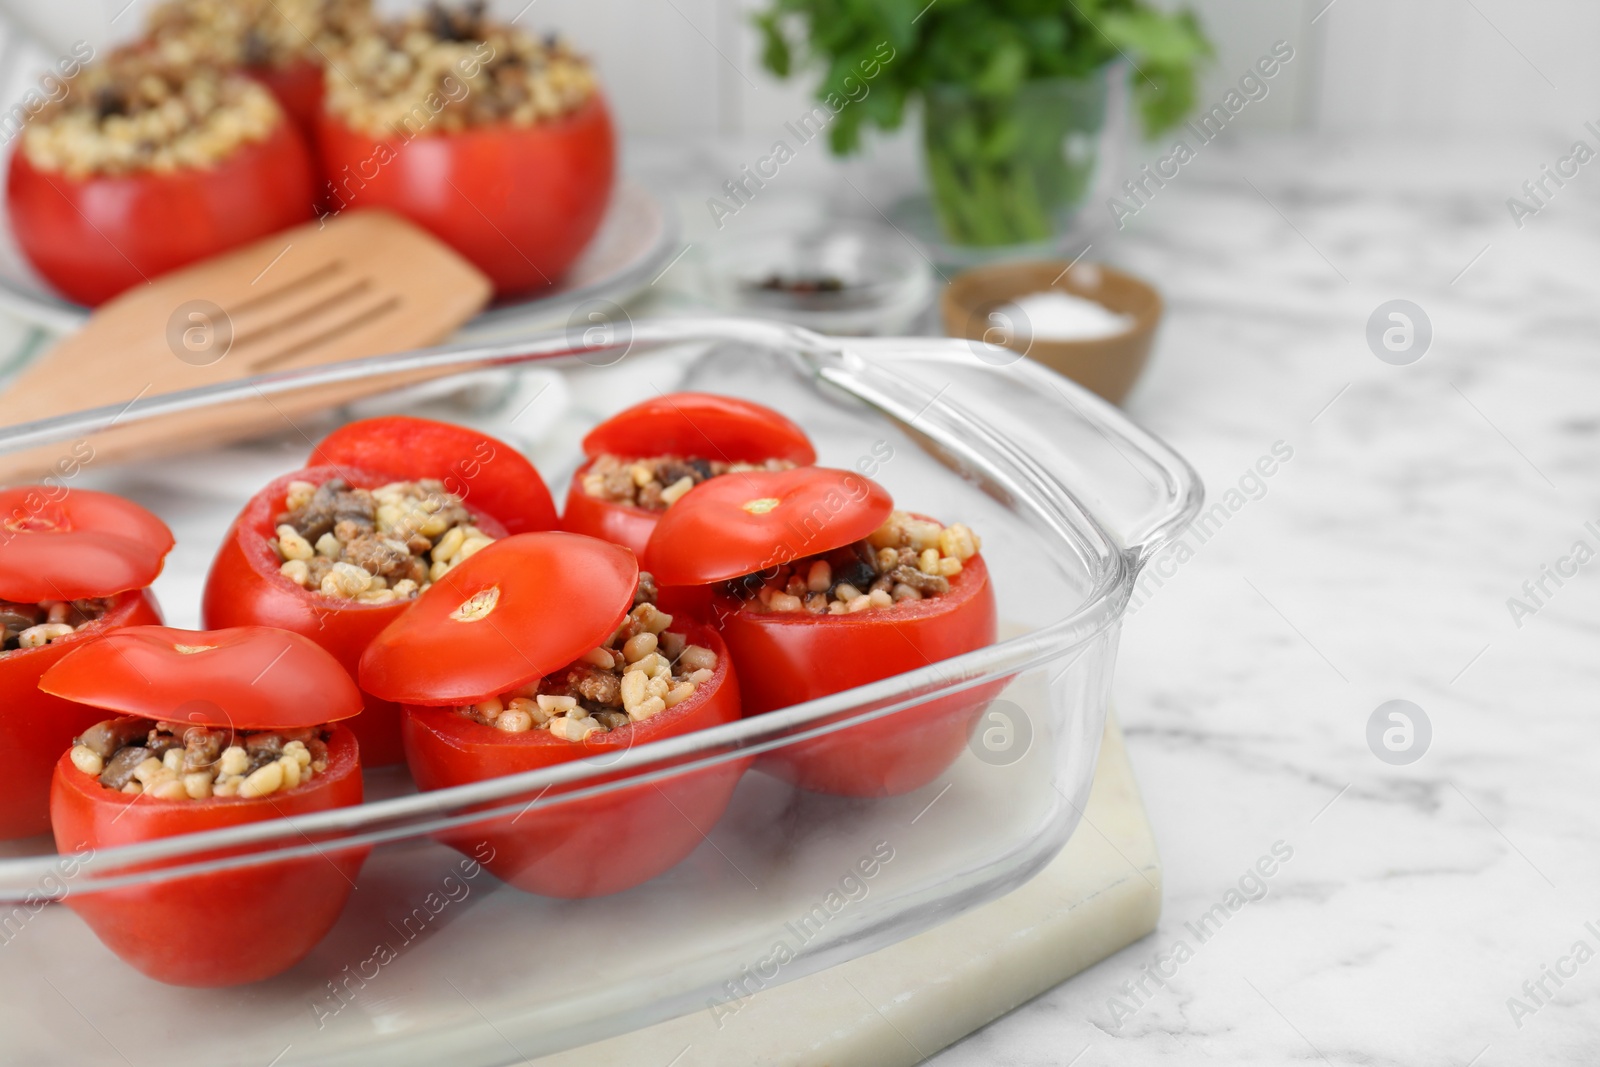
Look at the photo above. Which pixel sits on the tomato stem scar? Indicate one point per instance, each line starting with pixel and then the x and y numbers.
pixel 478 605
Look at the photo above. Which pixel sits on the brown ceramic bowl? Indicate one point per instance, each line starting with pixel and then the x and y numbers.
pixel 1107 365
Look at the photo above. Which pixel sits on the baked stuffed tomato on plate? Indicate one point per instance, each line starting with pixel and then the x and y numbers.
pixel 545 648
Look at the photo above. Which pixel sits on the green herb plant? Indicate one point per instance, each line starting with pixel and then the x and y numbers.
pixel 1013 91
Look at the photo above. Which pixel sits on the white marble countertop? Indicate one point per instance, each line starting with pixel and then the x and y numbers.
pixel 1375 564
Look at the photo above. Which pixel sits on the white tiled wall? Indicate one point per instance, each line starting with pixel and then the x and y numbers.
pixel 691 67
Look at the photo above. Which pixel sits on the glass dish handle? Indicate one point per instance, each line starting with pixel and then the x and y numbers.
pixel 1066 432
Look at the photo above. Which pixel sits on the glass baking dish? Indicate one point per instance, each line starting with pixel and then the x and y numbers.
pixel 436 961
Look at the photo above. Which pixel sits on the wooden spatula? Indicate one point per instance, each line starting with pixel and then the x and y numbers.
pixel 364 283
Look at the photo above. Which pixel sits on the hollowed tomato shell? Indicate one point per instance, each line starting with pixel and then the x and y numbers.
pixel 244 588
pixel 601 844
pixel 788 658
pixel 223 928
pixel 36 727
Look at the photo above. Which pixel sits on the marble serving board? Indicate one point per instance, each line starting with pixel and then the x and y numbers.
pixel 901 1004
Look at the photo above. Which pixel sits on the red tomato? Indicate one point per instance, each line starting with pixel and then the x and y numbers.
pixel 94 237
pixel 520 202
pixel 741 524
pixel 244 588
pixel 787 658
pixel 223 928
pixel 692 425
pixel 515 612
pixel 82 545
pixel 245 678
pixel 35 727
pixel 482 471
pixel 297 85
pixel 602 844
pixel 542 601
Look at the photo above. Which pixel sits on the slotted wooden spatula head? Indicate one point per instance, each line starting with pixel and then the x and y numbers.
pixel 364 283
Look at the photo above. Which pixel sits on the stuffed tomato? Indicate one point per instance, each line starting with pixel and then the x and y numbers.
pixel 497 142
pixel 280 43
pixel 640 461
pixel 546 648
pixel 822 586
pixel 74 565
pixel 215 729
pixel 146 166
pixel 337 551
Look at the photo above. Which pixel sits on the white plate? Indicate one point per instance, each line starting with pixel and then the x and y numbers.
pixel 636 240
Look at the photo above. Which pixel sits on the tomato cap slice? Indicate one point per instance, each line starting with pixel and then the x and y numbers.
pixel 86 544
pixel 506 616
pixel 747 522
pixel 246 677
pixel 704 425
pixel 486 473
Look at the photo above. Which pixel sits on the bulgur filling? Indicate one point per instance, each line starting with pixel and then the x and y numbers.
pixel 641 671
pixel 373 546
pixel 449 70
pixel 656 483
pixel 255 33
pixel 906 558
pixel 136 112
pixel 36 625
pixel 132 755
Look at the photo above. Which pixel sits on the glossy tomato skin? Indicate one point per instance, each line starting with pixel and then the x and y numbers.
pixel 519 202
pixel 35 727
pixel 621 524
pixel 94 237
pixel 223 928
pixel 599 845
pixel 297 86
pixel 244 588
pixel 789 658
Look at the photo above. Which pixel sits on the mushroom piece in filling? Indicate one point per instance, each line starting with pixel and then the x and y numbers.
pixel 907 558
pixel 171 762
pixel 373 546
pixel 36 625
pixel 643 669
pixel 655 483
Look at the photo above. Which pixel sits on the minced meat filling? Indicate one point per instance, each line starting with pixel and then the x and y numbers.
pixel 36 625
pixel 373 546
pixel 137 112
pixel 132 755
pixel 907 558
pixel 656 483
pixel 442 70
pixel 641 671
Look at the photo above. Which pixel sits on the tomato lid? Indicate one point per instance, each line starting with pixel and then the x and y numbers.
pixel 86 544
pixel 748 522
pixel 486 473
pixel 246 677
pixel 506 616
pixel 704 425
